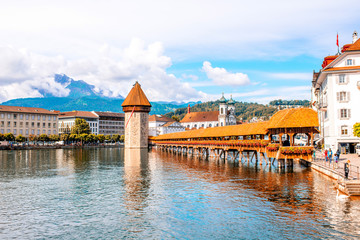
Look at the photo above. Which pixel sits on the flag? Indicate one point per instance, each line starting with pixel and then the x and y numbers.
pixel 337 39
pixel 130 117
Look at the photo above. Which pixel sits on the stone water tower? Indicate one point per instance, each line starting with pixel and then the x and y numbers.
pixel 136 107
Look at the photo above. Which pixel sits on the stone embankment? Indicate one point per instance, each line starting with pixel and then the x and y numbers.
pixel 32 147
pixel 351 185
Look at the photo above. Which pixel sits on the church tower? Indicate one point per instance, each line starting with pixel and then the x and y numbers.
pixel 222 111
pixel 231 116
pixel 136 107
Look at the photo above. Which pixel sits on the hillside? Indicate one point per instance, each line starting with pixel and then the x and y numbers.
pixel 243 110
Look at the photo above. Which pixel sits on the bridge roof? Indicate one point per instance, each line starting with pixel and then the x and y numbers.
pixel 287 118
pixel 294 118
pixel 234 130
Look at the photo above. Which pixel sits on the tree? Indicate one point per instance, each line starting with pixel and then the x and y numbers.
pixel 122 138
pixel 101 138
pixel 20 138
pixel 64 137
pixel 107 137
pixel 54 137
pixel 2 137
pixel 356 129
pixel 43 137
pixel 33 137
pixel 72 137
pixel 176 118
pixel 9 137
pixel 115 137
pixel 80 127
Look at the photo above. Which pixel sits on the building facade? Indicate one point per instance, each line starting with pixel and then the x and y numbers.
pixel 67 121
pixel 111 123
pixel 336 97
pixel 159 124
pixel 224 117
pixel 27 121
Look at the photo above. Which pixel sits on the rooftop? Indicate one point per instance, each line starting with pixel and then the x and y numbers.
pixel 110 114
pixel 201 117
pixel 17 109
pixel 136 97
pixel 160 118
pixel 83 114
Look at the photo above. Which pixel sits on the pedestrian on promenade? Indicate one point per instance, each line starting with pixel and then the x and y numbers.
pixel 326 155
pixel 338 153
pixel 347 169
pixel 336 160
pixel 330 155
pixel 314 155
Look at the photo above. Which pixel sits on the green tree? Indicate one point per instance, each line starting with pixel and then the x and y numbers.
pixel 64 137
pixel 73 137
pixel 80 127
pixel 176 118
pixel 54 137
pixel 356 129
pixel 115 137
pixel 20 138
pixel 9 137
pixel 2 137
pixel 43 137
pixel 122 138
pixel 101 138
pixel 107 137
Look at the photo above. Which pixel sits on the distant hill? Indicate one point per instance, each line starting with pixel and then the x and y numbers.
pixel 243 110
pixel 89 103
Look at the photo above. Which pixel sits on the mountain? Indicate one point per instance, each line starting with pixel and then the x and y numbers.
pixel 89 103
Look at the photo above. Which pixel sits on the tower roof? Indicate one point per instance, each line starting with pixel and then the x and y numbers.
pixel 222 99
pixel 136 97
pixel 231 101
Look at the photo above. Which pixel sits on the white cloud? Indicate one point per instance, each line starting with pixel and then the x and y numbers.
pixel 113 72
pixel 220 76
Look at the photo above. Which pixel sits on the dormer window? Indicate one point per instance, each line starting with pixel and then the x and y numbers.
pixel 350 62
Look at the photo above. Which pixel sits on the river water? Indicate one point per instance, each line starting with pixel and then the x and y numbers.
pixel 99 194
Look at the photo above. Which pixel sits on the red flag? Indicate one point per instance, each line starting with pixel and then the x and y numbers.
pixel 337 39
pixel 130 117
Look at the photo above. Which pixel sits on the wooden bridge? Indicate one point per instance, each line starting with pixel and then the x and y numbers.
pixel 263 141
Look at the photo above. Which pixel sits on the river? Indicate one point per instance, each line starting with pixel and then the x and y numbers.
pixel 100 194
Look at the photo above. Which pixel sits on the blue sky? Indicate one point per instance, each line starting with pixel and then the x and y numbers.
pixel 178 50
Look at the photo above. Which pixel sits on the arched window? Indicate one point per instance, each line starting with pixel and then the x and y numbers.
pixel 195 126
pixel 202 125
pixel 221 124
pixel 222 110
pixel 210 125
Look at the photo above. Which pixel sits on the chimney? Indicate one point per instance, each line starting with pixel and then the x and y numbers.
pixel 355 37
pixel 189 108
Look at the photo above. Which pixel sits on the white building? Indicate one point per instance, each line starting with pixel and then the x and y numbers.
pixel 225 116
pixel 159 125
pixel 67 121
pixel 111 123
pixel 336 96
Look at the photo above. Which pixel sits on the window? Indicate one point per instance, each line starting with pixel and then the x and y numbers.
pixel 21 117
pixel 38 117
pixel 350 62
pixel 2 124
pixel 2 131
pixel 2 115
pixel 15 116
pixel 49 118
pixel 344 130
pixel 49 132
pixel 14 124
pixel 8 124
pixel 54 118
pixel 54 131
pixel 222 111
pixel 343 96
pixel 43 124
pixel 44 118
pixel 9 116
pixel 27 116
pixel 342 79
pixel 21 131
pixel 27 124
pixel 27 131
pixel 33 117
pixel 38 124
pixel 38 131
pixel 15 131
pixel 344 113
pixel 32 131
pixel 32 124
pixel 21 124
pixel 54 125
pixel 49 125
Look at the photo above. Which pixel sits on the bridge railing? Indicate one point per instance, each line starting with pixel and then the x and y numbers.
pixel 230 143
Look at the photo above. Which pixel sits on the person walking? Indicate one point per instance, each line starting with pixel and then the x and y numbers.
pixel 326 155
pixel 347 169
pixel 338 153
pixel 336 160
pixel 330 155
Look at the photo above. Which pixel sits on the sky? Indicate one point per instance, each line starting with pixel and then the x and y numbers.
pixel 178 50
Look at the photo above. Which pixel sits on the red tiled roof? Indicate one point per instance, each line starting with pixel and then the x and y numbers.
pixel 78 114
pixel 201 117
pixel 355 46
pixel 159 118
pixel 168 124
pixel 17 109
pixel 294 117
pixel 342 68
pixel 136 97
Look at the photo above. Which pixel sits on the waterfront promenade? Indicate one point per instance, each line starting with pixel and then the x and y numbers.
pixel 339 168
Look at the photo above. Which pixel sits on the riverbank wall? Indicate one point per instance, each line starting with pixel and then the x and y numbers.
pixel 33 147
